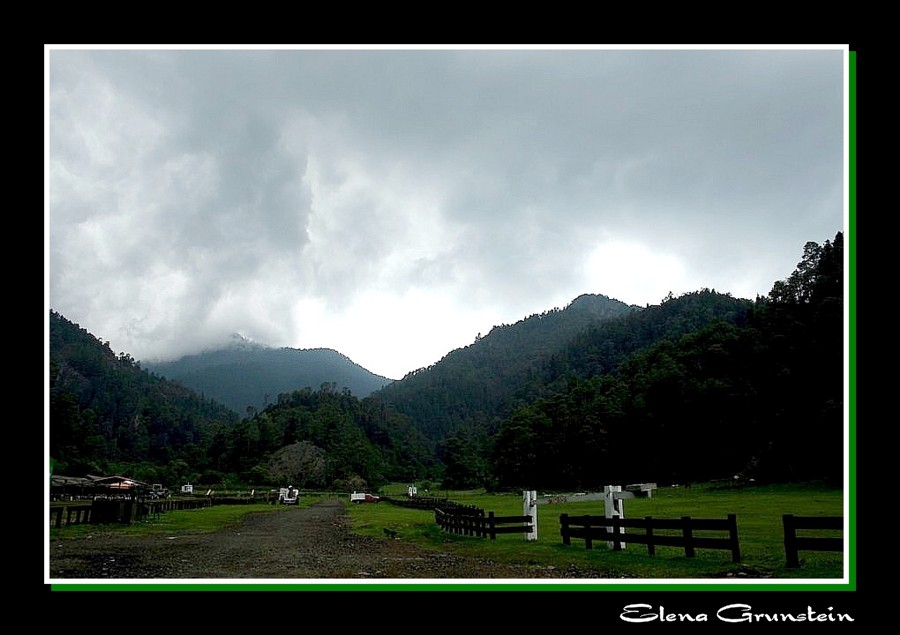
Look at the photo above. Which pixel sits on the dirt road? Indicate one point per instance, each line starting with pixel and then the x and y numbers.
pixel 308 543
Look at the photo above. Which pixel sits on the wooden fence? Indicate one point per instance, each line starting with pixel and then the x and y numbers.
pixel 481 525
pixel 507 525
pixel 793 543
pixel 154 508
pixel 592 528
pixel 113 510
pixel 240 500
pixel 103 511
pixel 74 515
pixel 430 503
pixel 467 522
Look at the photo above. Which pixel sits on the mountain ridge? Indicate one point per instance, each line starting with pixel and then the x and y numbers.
pixel 248 379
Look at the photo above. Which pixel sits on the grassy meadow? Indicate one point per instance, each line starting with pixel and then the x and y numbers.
pixel 758 509
pixel 759 517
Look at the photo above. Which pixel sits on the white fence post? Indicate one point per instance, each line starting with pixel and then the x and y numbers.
pixel 529 508
pixel 613 506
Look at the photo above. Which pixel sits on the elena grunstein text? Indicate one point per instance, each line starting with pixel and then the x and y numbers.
pixel 735 613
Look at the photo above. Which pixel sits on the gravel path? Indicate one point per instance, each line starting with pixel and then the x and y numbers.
pixel 313 542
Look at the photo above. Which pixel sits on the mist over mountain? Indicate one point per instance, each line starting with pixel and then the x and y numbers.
pixel 247 376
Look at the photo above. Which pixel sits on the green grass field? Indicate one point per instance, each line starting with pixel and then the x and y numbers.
pixel 759 517
pixel 758 510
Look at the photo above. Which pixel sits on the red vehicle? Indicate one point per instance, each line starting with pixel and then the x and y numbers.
pixel 362 497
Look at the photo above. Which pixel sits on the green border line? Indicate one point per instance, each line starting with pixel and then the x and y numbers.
pixel 413 586
pixel 528 586
pixel 851 247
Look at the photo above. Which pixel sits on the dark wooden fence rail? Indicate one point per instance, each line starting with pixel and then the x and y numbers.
pixel 102 511
pixel 590 528
pixel 428 502
pixel 466 522
pixel 175 503
pixel 74 514
pixel 793 543
pixel 155 507
pixel 237 500
pixel 507 525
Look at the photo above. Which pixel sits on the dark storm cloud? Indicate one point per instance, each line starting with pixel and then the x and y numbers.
pixel 287 194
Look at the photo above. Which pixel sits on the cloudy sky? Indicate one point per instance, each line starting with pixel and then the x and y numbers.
pixel 392 204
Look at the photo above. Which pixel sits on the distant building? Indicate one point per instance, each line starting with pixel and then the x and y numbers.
pixel 72 487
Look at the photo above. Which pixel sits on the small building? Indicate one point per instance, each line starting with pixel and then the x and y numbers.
pixel 69 488
pixel 122 486
pixel 91 486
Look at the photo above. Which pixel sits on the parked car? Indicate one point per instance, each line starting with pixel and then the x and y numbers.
pixel 362 497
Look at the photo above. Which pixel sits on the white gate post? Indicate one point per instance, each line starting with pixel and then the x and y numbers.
pixel 529 508
pixel 613 506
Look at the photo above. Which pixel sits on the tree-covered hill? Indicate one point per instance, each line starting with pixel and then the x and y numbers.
pixel 247 377
pixel 477 384
pixel 109 415
pixel 471 389
pixel 602 347
pixel 323 439
pixel 758 397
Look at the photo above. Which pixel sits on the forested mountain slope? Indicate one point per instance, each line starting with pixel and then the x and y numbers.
pixel 478 383
pixel 247 377
pixel 472 388
pixel 760 397
pixel 109 415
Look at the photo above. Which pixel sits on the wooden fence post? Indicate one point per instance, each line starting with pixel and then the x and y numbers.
pixel 790 541
pixel 588 539
pixel 651 546
pixel 688 533
pixel 492 527
pixel 616 543
pixel 612 507
pixel 732 534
